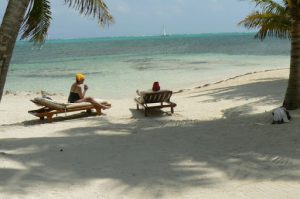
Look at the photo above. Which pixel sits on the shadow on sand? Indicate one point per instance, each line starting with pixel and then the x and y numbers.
pixel 151 152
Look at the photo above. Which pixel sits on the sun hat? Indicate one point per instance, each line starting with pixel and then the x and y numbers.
pixel 79 77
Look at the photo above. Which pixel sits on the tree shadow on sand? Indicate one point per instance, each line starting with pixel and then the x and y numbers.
pixel 269 90
pixel 151 153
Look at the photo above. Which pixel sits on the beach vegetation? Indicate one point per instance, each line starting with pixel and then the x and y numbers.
pixel 32 18
pixel 280 19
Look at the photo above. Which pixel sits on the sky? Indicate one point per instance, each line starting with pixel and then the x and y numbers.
pixel 147 17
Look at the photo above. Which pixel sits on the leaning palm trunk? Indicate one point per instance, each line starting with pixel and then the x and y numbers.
pixel 292 96
pixel 9 30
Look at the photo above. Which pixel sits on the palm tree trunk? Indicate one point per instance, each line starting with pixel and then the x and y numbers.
pixel 9 30
pixel 292 96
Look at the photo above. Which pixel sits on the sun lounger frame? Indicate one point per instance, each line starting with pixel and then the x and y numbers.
pixel 161 98
pixel 48 111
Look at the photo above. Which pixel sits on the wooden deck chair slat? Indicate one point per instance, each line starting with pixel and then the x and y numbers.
pixel 160 97
pixel 156 97
pixel 49 109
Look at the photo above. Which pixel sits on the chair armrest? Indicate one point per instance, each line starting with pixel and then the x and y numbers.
pixel 139 100
pixel 172 103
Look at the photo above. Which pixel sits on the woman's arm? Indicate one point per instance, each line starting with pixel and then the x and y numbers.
pixel 80 92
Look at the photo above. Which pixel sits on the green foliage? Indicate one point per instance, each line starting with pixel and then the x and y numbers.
pixel 273 19
pixel 95 8
pixel 38 17
pixel 37 21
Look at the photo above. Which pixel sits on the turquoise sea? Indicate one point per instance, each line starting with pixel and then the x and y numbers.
pixel 116 67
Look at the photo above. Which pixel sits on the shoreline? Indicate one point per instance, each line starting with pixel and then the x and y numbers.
pixel 228 79
pixel 179 90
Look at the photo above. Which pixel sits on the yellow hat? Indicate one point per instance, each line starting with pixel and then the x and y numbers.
pixel 79 77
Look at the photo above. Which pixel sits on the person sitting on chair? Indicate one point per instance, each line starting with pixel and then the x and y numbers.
pixel 155 88
pixel 77 94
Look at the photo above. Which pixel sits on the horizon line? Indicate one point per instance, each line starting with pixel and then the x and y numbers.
pixel 144 36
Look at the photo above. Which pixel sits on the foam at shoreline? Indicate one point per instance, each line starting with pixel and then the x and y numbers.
pixel 178 90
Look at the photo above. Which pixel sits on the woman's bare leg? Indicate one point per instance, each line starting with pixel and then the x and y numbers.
pixel 95 103
pixel 106 104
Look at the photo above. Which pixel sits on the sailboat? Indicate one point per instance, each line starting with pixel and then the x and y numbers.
pixel 164 33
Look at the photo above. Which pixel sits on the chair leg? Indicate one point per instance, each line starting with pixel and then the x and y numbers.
pixel 146 112
pixel 172 110
pixel 137 107
pixel 50 118
pixel 98 110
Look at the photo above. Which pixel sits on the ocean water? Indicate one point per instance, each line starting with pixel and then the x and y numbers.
pixel 116 67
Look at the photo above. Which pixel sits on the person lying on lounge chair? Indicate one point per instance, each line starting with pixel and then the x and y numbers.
pixel 77 94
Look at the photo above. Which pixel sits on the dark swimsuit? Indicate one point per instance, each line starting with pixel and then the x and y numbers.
pixel 73 97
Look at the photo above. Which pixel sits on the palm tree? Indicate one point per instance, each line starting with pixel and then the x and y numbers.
pixel 281 19
pixel 33 18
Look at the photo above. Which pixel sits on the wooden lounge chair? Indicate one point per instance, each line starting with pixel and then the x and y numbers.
pixel 159 99
pixel 50 107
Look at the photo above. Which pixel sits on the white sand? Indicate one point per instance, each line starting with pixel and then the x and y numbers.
pixel 218 144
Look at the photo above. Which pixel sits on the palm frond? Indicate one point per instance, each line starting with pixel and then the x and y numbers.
pixel 289 3
pixel 274 19
pixel 95 8
pixel 268 24
pixel 37 21
pixel 271 6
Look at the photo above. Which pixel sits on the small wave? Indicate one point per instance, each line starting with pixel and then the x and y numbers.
pixel 139 60
pixel 143 67
pixel 198 62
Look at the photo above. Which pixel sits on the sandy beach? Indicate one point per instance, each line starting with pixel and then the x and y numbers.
pixel 219 143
